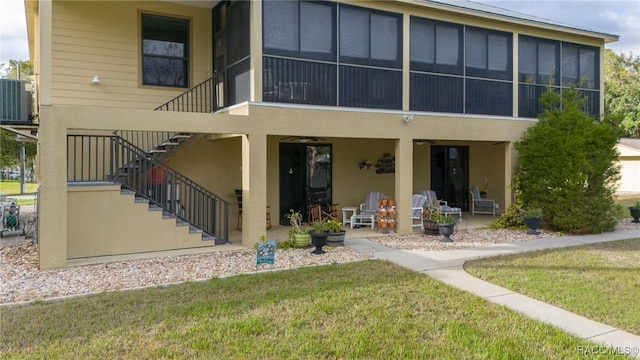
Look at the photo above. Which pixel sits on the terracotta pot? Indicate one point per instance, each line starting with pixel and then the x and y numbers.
pixel 391 212
pixel 392 224
pixel 382 224
pixel 391 202
pixel 382 212
pixel 383 202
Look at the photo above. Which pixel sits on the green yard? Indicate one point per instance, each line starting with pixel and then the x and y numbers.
pixel 370 309
pixel 598 281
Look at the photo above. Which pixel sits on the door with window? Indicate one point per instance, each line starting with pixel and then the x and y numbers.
pixel 305 178
pixel 449 174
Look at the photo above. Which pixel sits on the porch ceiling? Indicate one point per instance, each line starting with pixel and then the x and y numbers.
pixel 209 4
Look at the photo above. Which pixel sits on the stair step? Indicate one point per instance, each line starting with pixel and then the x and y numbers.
pixel 167 215
pixel 139 199
pixel 153 207
pixel 193 230
pixel 127 192
pixel 180 136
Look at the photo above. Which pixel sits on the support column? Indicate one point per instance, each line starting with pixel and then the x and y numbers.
pixel 404 184
pixel 254 188
pixel 52 220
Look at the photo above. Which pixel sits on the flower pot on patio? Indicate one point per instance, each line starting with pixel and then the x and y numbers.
pixel 446 230
pixel 430 227
pixel 318 239
pixel 336 238
pixel 635 213
pixel 533 223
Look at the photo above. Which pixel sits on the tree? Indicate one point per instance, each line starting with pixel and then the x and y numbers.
pixel 567 166
pixel 622 92
pixel 11 70
pixel 10 151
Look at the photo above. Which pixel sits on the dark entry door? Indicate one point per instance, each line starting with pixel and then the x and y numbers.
pixel 449 174
pixel 305 177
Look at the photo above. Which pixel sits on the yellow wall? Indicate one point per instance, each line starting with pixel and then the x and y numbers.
pixel 76 40
pixel 101 221
pixel 87 42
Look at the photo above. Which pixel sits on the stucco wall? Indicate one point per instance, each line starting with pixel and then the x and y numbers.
pixel 101 221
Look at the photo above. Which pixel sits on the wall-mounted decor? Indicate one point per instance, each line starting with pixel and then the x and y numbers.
pixel 386 164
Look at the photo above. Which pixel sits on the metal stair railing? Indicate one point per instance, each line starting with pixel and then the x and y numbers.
pixel 104 158
pixel 203 97
pixel 153 141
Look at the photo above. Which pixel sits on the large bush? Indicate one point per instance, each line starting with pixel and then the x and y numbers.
pixel 567 167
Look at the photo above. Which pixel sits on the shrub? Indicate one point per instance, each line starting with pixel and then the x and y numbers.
pixel 567 166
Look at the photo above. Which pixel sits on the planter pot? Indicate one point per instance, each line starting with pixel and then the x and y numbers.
pixel 430 227
pixel 318 240
pixel 635 214
pixel 446 230
pixel 301 240
pixel 533 223
pixel 336 239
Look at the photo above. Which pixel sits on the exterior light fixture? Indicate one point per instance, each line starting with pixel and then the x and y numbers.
pixel 95 80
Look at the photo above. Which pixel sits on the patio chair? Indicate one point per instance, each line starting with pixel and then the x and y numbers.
pixel 370 204
pixel 431 200
pixel 487 206
pixel 418 204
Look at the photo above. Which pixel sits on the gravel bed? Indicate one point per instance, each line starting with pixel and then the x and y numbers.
pixel 22 281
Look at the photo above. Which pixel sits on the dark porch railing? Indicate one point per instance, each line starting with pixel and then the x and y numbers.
pixel 204 97
pixel 102 158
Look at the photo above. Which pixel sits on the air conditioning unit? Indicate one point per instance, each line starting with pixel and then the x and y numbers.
pixel 16 102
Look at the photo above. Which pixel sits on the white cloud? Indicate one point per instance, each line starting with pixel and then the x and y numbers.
pixel 13 31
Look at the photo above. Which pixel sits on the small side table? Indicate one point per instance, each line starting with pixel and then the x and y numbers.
pixel 347 219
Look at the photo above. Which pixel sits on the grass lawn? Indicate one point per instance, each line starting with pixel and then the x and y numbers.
pixel 12 187
pixel 370 309
pixel 598 281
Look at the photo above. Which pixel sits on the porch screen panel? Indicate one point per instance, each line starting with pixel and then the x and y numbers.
pixel 591 102
pixel 436 93
pixel 297 81
pixel 488 97
pixel 529 99
pixel 488 54
pixel 370 88
pixel 370 38
pixel 299 29
pixel 280 28
pixel 436 46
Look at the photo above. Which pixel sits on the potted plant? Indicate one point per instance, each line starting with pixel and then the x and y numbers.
pixel 319 236
pixel 297 233
pixel 635 212
pixel 336 233
pixel 430 217
pixel 533 219
pixel 446 225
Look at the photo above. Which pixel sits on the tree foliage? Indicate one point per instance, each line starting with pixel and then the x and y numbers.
pixel 10 151
pixel 10 70
pixel 567 167
pixel 622 92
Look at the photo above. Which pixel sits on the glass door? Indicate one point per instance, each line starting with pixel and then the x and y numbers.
pixel 305 178
pixel 449 174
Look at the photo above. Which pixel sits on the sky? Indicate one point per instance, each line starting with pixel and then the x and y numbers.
pixel 616 17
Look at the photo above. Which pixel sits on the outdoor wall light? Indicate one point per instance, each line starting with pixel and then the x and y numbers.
pixel 95 80
pixel 407 118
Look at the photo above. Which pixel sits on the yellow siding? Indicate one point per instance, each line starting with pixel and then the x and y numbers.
pixel 86 43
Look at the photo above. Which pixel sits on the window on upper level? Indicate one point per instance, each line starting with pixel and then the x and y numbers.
pixel 369 37
pixel 436 46
pixel 299 29
pixel 165 51
pixel 548 64
pixel 488 54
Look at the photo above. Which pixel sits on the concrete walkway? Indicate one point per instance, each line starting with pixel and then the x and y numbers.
pixel 447 266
